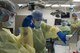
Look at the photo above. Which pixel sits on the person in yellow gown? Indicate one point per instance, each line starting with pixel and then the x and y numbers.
pixel 74 23
pixel 9 43
pixel 41 31
pixel 66 29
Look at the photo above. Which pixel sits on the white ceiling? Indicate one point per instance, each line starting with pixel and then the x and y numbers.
pixel 19 1
pixel 47 1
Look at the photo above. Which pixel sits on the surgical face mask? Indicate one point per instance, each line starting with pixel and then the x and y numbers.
pixel 6 17
pixel 37 24
pixel 64 24
pixel 9 23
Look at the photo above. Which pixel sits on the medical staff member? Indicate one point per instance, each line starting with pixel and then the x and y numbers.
pixel 64 28
pixel 74 23
pixel 8 42
pixel 41 31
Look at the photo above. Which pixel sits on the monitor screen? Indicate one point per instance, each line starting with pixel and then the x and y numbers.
pixel 65 15
pixel 57 21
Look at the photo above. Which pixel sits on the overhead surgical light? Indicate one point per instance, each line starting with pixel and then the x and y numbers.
pixel 76 0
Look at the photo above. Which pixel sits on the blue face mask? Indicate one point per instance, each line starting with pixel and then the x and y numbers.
pixel 37 24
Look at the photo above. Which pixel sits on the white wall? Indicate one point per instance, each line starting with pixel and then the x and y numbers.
pixel 23 12
pixel 50 18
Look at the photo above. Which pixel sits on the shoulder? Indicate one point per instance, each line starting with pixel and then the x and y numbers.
pixel 7 30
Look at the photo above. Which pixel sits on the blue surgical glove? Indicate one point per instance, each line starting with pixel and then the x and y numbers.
pixel 27 22
pixel 62 36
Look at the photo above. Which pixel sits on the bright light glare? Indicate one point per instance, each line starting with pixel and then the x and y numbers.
pixel 47 5
pixel 67 5
pixel 76 0
pixel 22 4
pixel 63 5
pixel 56 5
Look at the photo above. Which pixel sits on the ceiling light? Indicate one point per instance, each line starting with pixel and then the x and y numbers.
pixel 63 5
pixel 67 5
pixel 76 0
pixel 22 5
pixel 47 5
pixel 56 5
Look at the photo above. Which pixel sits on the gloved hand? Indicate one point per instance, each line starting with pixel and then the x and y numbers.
pixel 62 36
pixel 27 22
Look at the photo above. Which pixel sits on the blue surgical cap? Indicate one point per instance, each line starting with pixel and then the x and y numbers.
pixel 37 14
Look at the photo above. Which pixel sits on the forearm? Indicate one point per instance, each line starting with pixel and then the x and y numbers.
pixel 26 36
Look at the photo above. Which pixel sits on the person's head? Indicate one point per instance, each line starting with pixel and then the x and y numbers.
pixel 37 17
pixel 64 23
pixel 7 10
pixel 74 16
